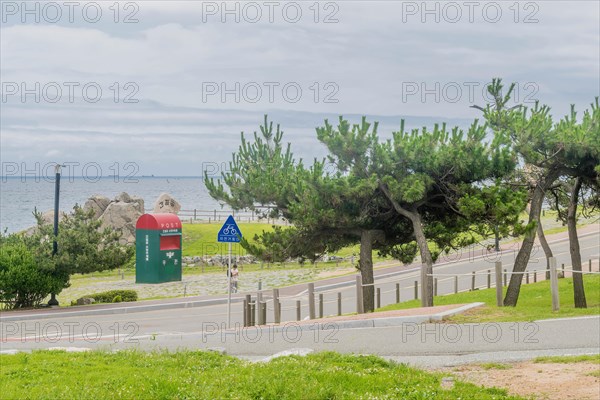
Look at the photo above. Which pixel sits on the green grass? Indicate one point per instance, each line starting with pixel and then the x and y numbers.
pixel 487 366
pixel 568 359
pixel 205 375
pixel 201 239
pixel 534 303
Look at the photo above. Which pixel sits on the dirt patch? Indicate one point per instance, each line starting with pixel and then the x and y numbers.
pixel 543 381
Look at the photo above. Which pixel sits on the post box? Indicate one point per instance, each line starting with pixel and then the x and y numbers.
pixel 158 248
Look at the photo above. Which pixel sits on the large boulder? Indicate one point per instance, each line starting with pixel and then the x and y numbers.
pixel 97 203
pixel 139 203
pixel 122 216
pixel 166 204
pixel 124 197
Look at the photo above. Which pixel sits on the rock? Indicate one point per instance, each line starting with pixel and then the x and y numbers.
pixel 85 300
pixel 48 216
pixel 124 197
pixel 122 216
pixel 98 204
pixel 140 203
pixel 166 204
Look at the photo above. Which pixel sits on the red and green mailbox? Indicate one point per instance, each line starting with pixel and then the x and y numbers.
pixel 158 248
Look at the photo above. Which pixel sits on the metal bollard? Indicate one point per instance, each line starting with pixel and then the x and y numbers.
pixel 397 293
pixel 435 286
pixel 245 314
pixel 590 265
pixel 534 276
pixel 276 307
pixel 505 277
pixel 260 284
pixel 311 300
pixel 455 284
pixel 359 295
pixel 263 313
pixel 527 277
pixel 253 313
pixel 339 303
pixel 298 310
pixel 378 297
pixel 489 279
pixel 320 305
pixel 473 281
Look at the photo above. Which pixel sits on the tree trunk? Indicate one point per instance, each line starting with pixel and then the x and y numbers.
pixel 522 259
pixel 545 246
pixel 578 289
pixel 366 269
pixel 426 261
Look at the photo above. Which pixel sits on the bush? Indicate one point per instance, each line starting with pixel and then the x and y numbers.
pixel 24 282
pixel 114 296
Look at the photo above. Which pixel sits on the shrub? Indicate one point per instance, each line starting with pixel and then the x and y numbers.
pixel 114 296
pixel 24 282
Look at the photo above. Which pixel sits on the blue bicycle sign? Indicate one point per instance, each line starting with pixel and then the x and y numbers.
pixel 229 232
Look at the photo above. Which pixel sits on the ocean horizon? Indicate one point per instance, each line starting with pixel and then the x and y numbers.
pixel 19 196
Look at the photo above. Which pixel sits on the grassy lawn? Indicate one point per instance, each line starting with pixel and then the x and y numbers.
pixel 568 359
pixel 205 375
pixel 534 303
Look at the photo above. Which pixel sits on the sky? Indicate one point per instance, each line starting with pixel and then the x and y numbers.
pixel 169 86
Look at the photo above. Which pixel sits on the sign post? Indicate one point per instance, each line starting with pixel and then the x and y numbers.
pixel 229 233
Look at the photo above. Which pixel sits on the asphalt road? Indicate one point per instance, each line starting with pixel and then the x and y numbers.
pixel 205 327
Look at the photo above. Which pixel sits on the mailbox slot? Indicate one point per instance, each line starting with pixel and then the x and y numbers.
pixel 170 241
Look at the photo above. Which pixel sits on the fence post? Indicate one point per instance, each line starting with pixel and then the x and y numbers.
pixel 339 303
pixel 554 285
pixel 276 310
pixel 455 284
pixel 473 281
pixel 489 279
pixel 499 283
pixel 505 277
pixel 215 215
pixel 535 276
pixel 298 310
pixel 590 265
pixel 359 295
pixel 194 214
pixel 320 305
pixel 397 293
pixel 563 270
pixel 311 300
pixel 435 286
pixel 416 290
pixel 527 277
pixel 378 297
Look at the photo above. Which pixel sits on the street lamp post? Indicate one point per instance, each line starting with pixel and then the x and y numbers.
pixel 53 301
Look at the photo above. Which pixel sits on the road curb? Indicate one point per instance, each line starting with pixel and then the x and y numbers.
pixel 120 310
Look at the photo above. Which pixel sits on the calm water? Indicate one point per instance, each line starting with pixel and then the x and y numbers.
pixel 18 198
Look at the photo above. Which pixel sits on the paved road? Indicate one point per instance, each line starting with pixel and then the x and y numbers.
pixel 183 327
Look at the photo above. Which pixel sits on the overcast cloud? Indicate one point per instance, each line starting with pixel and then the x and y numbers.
pixel 168 67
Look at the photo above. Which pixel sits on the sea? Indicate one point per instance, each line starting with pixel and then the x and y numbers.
pixel 19 196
